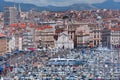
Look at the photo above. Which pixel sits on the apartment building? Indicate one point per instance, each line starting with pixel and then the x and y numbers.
pixel 95 33
pixel 10 15
pixel 82 37
pixel 44 36
pixel 3 44
pixel 111 36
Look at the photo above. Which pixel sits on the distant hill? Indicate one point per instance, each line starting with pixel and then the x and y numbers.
pixel 26 7
pixel 109 4
pixel 71 7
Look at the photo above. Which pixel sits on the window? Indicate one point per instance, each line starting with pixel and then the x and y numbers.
pixel 94 36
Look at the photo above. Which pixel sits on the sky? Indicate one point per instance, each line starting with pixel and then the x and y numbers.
pixel 58 2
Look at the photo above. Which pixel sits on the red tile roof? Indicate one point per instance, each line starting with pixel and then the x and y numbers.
pixel 43 27
pixel 115 29
pixel 22 25
pixel 2 35
pixel 13 25
pixel 31 24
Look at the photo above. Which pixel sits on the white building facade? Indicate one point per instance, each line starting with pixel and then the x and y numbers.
pixel 64 42
pixel 20 43
pixel 111 37
pixel 11 44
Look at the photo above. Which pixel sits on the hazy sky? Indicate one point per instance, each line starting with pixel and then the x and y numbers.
pixel 57 2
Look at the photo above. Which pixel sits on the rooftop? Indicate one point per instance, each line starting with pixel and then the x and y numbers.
pixel 2 35
pixel 44 27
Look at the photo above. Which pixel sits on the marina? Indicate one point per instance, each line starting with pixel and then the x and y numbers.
pixel 76 64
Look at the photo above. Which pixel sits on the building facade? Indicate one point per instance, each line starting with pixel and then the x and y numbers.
pixel 18 42
pixel 111 36
pixel 3 44
pixel 11 43
pixel 44 37
pixel 28 39
pixel 95 33
pixel 10 15
pixel 64 42
pixel 83 38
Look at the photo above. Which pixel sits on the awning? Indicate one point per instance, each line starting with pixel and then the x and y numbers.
pixel 32 49
pixel 1 69
pixel 16 51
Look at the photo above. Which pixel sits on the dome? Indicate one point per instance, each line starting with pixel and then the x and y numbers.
pixel 99 17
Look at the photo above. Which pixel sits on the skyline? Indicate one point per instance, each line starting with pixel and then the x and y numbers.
pixel 76 42
pixel 57 2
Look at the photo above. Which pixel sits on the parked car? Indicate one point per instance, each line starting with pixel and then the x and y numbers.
pixel 1 58
pixel 8 55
